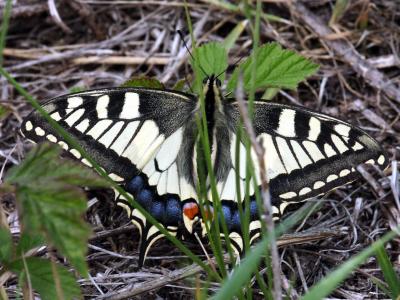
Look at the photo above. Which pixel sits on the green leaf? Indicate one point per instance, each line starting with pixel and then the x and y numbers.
pixel 57 214
pixel 52 206
pixel 388 272
pixel 213 59
pixel 270 93
pixel 5 245
pixel 28 242
pixel 276 68
pixel 179 85
pixel 329 283
pixel 77 89
pixel 45 279
pixel 4 112
pixel 146 82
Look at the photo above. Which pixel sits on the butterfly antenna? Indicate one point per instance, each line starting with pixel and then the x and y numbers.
pixel 188 50
pixel 234 66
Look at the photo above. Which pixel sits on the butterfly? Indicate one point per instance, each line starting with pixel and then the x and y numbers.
pixel 146 140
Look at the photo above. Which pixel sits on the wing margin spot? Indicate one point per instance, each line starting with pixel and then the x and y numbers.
pixel 381 160
pixel 288 195
pixel 331 177
pixel 304 191
pixel 28 126
pixel 344 172
pixel 39 131
pixel 51 138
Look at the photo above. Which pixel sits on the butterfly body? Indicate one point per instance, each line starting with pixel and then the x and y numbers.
pixel 146 139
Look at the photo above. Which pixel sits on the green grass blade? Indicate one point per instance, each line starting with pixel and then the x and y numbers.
pixel 242 274
pixel 235 33
pixel 4 28
pixel 338 11
pixel 388 271
pixel 6 245
pixel 328 284
pixel 204 142
pixel 237 9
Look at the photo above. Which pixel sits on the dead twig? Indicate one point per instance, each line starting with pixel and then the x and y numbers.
pixel 371 74
pixel 307 237
pixel 56 17
pixel 121 60
pixel 371 180
pixel 26 11
pixel 146 286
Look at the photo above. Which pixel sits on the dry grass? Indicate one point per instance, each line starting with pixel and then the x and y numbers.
pixel 99 43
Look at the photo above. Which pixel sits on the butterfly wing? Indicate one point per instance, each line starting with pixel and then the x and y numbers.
pixel 306 154
pixel 145 139
pixel 137 136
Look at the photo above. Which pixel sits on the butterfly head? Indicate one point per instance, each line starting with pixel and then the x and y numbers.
pixel 212 80
pixel 212 91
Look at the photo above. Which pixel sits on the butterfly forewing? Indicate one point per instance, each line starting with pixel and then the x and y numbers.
pixel 122 129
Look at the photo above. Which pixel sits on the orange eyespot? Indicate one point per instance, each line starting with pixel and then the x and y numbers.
pixel 190 210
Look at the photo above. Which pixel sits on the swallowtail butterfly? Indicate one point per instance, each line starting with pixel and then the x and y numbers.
pixel 145 139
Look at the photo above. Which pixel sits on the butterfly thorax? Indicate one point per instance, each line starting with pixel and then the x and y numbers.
pixel 217 129
pixel 213 105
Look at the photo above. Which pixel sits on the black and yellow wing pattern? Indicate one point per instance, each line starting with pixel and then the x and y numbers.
pixel 145 139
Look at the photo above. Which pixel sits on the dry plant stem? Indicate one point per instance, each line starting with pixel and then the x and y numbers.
pixel 56 17
pixel 267 216
pixel 371 74
pixel 100 57
pixel 306 237
pixel 122 60
pixel 90 48
pixel 26 11
pixel 394 184
pixel 288 286
pixel 371 180
pixel 146 286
